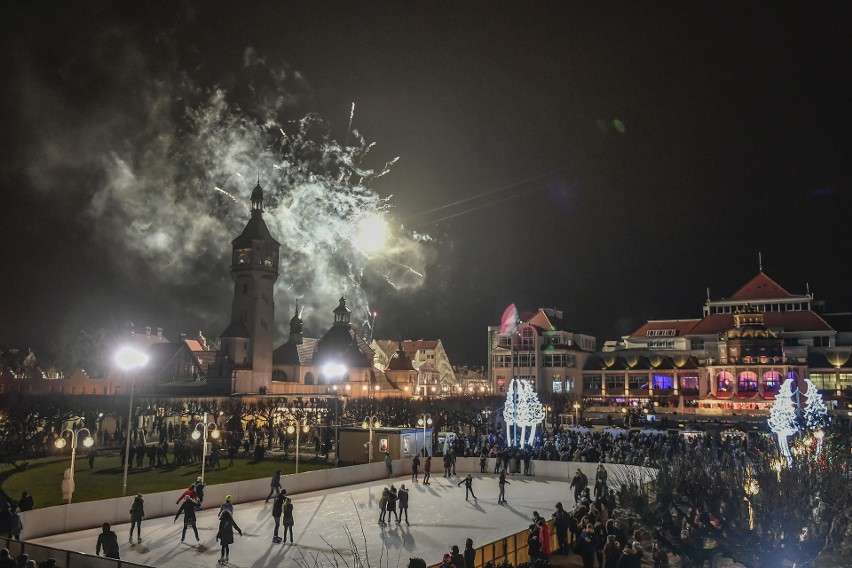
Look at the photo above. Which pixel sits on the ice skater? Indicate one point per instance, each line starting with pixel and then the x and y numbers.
pixel 288 519
pixel 403 502
pixel 225 536
pixel 277 511
pixel 188 510
pixel 503 483
pixel 274 485
pixel 137 513
pixel 468 487
pixel 427 470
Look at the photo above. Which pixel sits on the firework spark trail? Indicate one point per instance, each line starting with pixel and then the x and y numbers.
pixel 155 193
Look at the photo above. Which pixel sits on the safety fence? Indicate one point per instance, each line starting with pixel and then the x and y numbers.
pixel 64 558
pixel 512 549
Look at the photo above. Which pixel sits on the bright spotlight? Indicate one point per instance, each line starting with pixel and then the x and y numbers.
pixel 129 358
pixel 333 370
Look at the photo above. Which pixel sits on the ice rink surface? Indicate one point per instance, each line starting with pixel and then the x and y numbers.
pixel 324 520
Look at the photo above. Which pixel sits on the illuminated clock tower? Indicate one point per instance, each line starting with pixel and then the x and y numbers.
pixel 246 344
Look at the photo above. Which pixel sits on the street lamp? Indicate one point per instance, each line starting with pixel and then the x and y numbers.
pixel 577 413
pixel 424 420
pixel 60 442
pixel 196 434
pixel 290 429
pixel 336 371
pixel 371 422
pixel 129 359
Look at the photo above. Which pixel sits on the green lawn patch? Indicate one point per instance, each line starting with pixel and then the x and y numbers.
pixel 43 477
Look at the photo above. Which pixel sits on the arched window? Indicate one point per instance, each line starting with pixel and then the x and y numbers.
pixel 309 378
pixel 771 381
pixel 724 382
pixel 793 375
pixel 747 382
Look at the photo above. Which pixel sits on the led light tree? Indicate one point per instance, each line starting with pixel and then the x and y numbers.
pixel 535 411
pixel 816 412
pixel 782 418
pixel 510 410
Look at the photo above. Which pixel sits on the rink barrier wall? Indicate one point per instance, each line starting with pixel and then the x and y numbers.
pixel 92 514
pixel 64 558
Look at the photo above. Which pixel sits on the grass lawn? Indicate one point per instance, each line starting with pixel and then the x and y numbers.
pixel 43 477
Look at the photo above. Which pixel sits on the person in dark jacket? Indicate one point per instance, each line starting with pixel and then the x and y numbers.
pixel 578 483
pixel 108 541
pixel 199 492
pixel 403 503
pixel 587 546
pixel 188 510
pixel 469 554
pixel 26 503
pixel 16 526
pixel 468 487
pixel 503 483
pixel 560 523
pixel 393 496
pixel 277 510
pixel 612 552
pixel 274 485
pixel 137 513
pixel 533 546
pixel 288 519
pixel 427 470
pixel 225 536
pixel 415 467
pixel 456 558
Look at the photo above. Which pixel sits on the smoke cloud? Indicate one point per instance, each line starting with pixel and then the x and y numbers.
pixel 162 163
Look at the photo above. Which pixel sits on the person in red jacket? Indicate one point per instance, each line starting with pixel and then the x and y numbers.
pixel 543 537
pixel 189 492
pixel 427 470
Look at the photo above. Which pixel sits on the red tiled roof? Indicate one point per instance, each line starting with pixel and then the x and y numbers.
pixel 785 321
pixel 194 345
pixel 761 287
pixel 683 327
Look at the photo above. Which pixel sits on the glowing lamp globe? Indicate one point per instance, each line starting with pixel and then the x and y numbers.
pixel 215 434
pixel 306 428
pixel 88 442
pixel 196 434
pixel 60 443
pixel 365 425
pixel 290 429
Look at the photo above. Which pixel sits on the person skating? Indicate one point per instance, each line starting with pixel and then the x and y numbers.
pixel 415 466
pixel 225 536
pixel 199 492
pixel 137 513
pixel 274 485
pixel 188 510
pixel 228 505
pixel 383 505
pixel 389 464
pixel 482 461
pixel 108 541
pixel 468 487
pixel 578 483
pixel 188 492
pixel 427 470
pixel 503 483
pixel 16 525
pixel 447 460
pixel 288 519
pixel 277 511
pixel 392 499
pixel 403 502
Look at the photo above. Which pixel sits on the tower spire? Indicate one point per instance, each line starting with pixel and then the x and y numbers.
pixel 760 261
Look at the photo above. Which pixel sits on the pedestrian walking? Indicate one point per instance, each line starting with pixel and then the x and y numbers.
pixel 288 519
pixel 389 464
pixel 108 541
pixel 503 483
pixel 383 505
pixel 427 470
pixel 225 536
pixel 228 505
pixel 274 485
pixel 137 513
pixel 578 483
pixel 16 526
pixel 469 554
pixel 403 503
pixel 468 487
pixel 277 511
pixel 188 510
pixel 415 465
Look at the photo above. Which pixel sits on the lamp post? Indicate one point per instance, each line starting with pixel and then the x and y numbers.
pixel 88 441
pixel 752 488
pixel 297 428
pixel 576 413
pixel 424 420
pixel 335 371
pixel 196 434
pixel 129 359
pixel 369 423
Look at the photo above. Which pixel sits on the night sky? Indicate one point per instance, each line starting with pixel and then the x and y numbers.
pixel 612 160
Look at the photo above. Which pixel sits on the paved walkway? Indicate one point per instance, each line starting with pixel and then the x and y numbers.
pixel 325 520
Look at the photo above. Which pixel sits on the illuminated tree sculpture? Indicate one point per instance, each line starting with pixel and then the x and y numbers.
pixel 815 413
pixel 535 411
pixel 510 410
pixel 782 418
